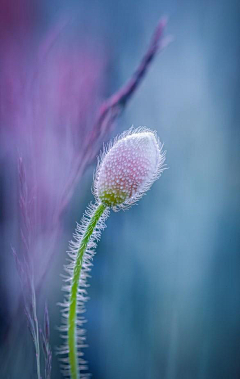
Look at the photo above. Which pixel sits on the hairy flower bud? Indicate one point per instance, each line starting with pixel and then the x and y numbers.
pixel 128 168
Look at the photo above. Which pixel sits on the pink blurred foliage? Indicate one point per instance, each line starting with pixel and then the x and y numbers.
pixel 50 89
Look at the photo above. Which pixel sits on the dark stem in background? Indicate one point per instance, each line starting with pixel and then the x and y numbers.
pixel 112 108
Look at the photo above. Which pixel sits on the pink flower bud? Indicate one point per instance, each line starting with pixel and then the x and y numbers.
pixel 129 168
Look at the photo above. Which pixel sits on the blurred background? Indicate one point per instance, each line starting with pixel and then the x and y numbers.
pixel 165 286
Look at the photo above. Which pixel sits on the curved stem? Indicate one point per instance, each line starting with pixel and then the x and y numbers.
pixel 74 291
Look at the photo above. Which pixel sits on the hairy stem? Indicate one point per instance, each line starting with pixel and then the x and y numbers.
pixel 74 291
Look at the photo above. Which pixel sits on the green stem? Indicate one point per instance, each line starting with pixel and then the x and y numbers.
pixel 74 291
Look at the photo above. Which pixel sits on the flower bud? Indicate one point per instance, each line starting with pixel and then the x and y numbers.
pixel 129 167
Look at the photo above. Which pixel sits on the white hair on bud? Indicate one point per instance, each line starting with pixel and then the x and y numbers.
pixel 128 167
